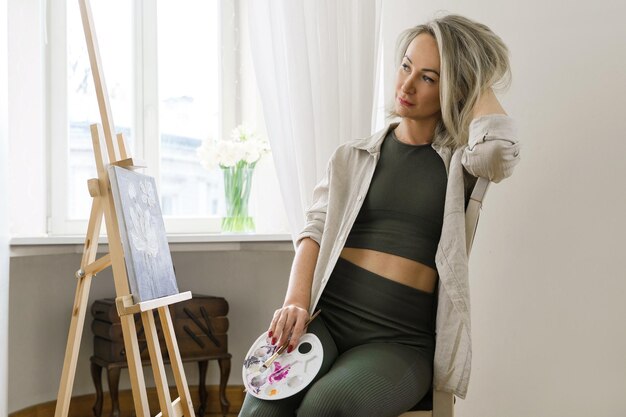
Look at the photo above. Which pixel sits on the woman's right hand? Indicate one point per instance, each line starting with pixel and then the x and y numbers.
pixel 288 321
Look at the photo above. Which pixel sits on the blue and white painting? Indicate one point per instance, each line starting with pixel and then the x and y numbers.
pixel 142 231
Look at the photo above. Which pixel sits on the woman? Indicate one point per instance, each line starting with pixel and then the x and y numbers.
pixel 383 252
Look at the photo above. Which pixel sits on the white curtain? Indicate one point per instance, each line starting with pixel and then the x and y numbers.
pixel 316 68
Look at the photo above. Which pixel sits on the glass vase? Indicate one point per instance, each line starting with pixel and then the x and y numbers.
pixel 237 184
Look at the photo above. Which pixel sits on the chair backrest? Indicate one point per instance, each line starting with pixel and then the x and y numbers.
pixel 443 402
pixel 473 211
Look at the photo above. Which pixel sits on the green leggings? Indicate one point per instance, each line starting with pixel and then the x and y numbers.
pixel 379 341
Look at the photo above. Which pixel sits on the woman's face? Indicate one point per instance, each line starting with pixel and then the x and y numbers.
pixel 417 81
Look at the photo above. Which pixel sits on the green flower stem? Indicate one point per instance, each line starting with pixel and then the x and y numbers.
pixel 237 185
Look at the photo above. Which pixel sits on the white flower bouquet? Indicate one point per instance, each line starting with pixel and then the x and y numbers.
pixel 237 157
pixel 243 147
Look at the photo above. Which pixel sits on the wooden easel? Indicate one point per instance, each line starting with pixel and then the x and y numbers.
pixel 111 150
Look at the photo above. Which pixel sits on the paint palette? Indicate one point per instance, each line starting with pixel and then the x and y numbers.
pixel 288 374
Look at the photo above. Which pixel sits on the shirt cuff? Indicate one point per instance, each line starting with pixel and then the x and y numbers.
pixel 304 234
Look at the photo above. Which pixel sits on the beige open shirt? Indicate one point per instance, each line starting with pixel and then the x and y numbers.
pixel 492 152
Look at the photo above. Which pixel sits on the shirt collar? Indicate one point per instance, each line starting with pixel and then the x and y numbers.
pixel 373 143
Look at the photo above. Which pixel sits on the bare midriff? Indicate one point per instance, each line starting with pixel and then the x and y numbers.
pixel 396 268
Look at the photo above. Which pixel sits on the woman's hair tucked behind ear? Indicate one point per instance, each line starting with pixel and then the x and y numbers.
pixel 473 58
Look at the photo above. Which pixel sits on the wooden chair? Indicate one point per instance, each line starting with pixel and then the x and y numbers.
pixel 443 406
pixel 443 402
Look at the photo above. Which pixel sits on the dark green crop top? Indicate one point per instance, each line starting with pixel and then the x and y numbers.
pixel 402 213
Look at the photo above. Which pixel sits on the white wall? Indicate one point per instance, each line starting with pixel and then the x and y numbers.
pixel 547 285
pixel 4 212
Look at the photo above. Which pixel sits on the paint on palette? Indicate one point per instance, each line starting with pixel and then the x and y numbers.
pixel 288 374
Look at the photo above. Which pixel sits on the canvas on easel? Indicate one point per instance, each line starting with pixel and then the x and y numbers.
pixel 148 260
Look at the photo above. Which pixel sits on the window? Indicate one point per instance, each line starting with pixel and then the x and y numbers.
pixel 188 65
pixel 173 76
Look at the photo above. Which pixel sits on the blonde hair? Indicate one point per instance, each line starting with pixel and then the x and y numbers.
pixel 473 58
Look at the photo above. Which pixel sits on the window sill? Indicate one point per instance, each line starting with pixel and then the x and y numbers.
pixel 59 245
